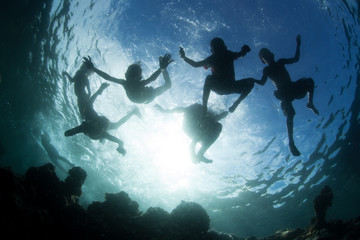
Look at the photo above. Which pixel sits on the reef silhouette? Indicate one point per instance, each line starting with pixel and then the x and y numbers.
pixel 39 205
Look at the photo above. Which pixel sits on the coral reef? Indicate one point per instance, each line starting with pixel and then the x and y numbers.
pixel 38 205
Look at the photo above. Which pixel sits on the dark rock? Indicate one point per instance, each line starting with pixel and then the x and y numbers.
pixel 321 203
pixel 157 222
pixel 38 205
pixel 74 182
pixel 191 217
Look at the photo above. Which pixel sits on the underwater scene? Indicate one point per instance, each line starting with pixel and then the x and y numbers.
pixel 133 96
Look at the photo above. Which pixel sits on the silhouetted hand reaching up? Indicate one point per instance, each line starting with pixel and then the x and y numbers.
pixel 165 61
pixel 88 62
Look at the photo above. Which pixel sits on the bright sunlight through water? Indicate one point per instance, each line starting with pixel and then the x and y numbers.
pixel 253 175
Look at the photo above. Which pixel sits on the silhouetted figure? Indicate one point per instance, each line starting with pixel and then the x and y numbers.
pixel 287 91
pixel 96 126
pixel 81 85
pixel 222 81
pixel 74 182
pixel 321 203
pixel 202 129
pixel 53 153
pixel 136 89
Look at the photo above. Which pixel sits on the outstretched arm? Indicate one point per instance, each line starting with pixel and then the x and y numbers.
pixel 297 53
pixel 164 63
pixel 190 61
pixel 244 50
pixel 98 92
pixel 108 77
pixel 170 110
pixel 102 74
pixel 152 78
pixel 263 78
pixel 65 74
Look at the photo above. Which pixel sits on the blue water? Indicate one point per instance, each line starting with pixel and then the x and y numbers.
pixel 254 186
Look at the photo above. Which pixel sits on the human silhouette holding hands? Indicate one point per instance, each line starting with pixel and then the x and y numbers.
pixel 53 153
pixel 81 85
pixel 286 90
pixel 222 81
pixel 96 127
pixel 136 89
pixel 202 129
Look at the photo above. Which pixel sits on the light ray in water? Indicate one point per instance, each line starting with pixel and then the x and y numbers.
pixel 253 169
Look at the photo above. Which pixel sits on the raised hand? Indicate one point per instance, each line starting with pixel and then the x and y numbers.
pixel 165 61
pixel 298 39
pixel 245 48
pixel 87 61
pixel 182 52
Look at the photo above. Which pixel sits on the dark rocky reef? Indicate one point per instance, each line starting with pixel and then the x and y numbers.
pixel 319 228
pixel 37 205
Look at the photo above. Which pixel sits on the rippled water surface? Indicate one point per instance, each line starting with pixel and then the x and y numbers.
pixel 254 186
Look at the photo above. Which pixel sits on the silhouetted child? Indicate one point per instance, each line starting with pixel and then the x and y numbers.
pixel 287 91
pixel 53 153
pixel 222 81
pixel 136 89
pixel 321 203
pixel 81 85
pixel 96 126
pixel 202 129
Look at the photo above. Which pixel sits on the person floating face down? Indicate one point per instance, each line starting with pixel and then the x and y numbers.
pixel 136 89
pixel 202 129
pixel 222 81
pixel 81 85
pixel 53 153
pixel 286 90
pixel 96 127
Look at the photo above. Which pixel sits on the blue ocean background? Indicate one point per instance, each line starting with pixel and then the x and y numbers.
pixel 255 186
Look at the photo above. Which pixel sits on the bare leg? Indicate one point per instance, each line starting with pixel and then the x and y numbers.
pixel 192 152
pixel 290 125
pixel 206 92
pixel 200 155
pixel 98 92
pixel 310 103
pixel 244 88
pixel 66 161
pixel 160 90
pixel 75 130
pixel 116 125
pixel 120 148
pixel 209 138
pixel 204 147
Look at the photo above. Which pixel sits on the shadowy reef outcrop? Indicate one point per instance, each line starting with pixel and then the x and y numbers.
pixel 37 205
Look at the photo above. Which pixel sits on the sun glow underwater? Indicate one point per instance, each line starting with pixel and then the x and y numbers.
pixel 253 169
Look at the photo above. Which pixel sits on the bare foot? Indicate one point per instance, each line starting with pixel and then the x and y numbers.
pixel 137 112
pixel 204 159
pixel 121 150
pixel 234 106
pixel 294 150
pixel 312 107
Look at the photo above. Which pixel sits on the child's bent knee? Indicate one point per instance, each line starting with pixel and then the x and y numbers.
pixel 250 84
pixel 310 83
